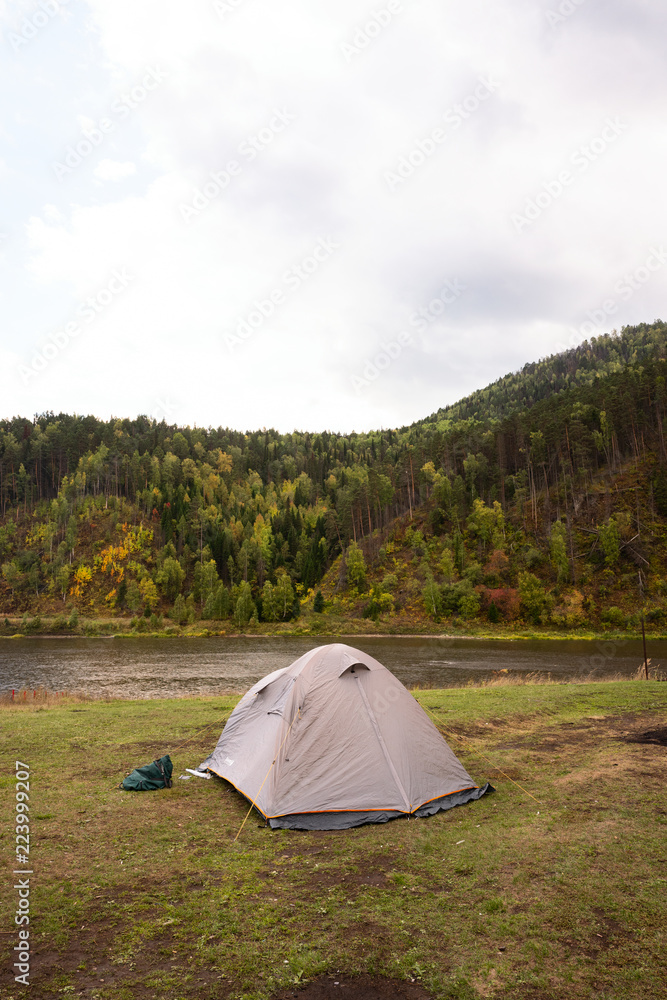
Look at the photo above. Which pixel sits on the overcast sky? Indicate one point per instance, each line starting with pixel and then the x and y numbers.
pixel 320 215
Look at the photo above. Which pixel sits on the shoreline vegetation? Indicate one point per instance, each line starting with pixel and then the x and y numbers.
pixel 552 886
pixel 56 627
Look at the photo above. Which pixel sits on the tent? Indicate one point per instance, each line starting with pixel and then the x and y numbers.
pixel 334 741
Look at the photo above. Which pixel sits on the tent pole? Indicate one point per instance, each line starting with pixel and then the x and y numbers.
pixel 641 591
pixel 644 640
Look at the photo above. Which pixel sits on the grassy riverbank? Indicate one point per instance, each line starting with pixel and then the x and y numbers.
pixel 148 895
pixel 307 625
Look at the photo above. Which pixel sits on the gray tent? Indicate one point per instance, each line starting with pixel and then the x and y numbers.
pixel 334 741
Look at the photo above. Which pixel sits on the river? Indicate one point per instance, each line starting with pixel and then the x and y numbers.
pixel 164 668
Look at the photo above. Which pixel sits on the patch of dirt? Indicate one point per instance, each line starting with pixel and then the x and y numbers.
pixel 375 874
pixel 317 870
pixel 364 987
pixel 317 880
pixel 611 930
pixel 646 772
pixel 528 992
pixel 92 944
pixel 593 731
pixel 307 849
pixel 656 737
pixel 604 934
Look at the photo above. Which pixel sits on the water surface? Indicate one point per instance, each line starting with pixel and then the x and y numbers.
pixel 162 668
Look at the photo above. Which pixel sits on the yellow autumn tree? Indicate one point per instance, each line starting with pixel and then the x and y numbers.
pixel 82 577
pixel 149 592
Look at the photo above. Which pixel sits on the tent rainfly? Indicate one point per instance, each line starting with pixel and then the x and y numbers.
pixel 334 741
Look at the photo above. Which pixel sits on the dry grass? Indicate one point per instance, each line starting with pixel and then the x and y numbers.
pixel 42 697
pixel 29 698
pixel 505 678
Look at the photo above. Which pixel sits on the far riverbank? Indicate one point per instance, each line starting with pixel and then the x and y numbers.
pixel 58 627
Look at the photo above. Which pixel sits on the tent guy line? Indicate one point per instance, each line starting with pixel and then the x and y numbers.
pixel 441 729
pixel 252 804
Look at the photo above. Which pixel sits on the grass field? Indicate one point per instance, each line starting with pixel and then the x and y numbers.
pixel 148 895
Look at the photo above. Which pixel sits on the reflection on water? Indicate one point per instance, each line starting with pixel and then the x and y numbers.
pixel 161 668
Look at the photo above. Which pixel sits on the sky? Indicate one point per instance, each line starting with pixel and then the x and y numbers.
pixel 249 214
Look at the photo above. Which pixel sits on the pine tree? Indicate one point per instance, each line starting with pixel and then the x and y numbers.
pixel 558 551
pixel 432 599
pixel 179 612
pixel 610 540
pixel 532 596
pixel 269 603
pixel 356 567
pixel 459 552
pixel 284 596
pixel 245 606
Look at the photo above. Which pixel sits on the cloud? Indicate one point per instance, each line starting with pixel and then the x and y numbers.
pixel 113 170
pixel 205 251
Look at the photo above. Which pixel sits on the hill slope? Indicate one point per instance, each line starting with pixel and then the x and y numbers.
pixel 539 380
pixel 537 500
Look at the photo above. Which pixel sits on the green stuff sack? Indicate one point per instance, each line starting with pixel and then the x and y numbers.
pixel 151 776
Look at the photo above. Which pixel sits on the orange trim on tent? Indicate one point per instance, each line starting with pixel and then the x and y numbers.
pixel 470 788
pixel 321 812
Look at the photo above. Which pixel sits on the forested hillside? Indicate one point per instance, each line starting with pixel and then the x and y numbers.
pixel 540 499
pixel 539 380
